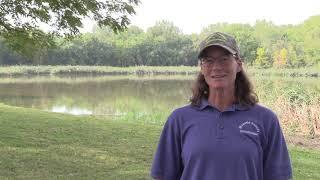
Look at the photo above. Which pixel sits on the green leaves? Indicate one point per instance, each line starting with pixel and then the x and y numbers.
pixel 262 59
pixel 20 19
pixel 28 42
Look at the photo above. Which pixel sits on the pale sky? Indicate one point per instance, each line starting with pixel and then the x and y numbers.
pixel 192 15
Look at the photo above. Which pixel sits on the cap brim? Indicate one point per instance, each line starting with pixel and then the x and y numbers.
pixel 220 45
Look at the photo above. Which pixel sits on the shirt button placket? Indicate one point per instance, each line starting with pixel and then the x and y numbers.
pixel 220 126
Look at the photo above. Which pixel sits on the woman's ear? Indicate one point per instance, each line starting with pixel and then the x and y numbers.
pixel 239 67
pixel 201 68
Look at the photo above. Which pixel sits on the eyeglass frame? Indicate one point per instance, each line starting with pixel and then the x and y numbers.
pixel 221 60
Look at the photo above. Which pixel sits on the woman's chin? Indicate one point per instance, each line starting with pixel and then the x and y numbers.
pixel 218 86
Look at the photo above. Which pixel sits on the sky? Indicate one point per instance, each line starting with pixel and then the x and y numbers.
pixel 193 15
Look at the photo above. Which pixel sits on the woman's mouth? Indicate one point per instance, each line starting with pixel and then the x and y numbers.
pixel 218 76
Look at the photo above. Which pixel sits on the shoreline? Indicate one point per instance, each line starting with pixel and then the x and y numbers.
pixel 18 71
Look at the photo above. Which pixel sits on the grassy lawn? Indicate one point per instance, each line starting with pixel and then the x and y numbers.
pixel 42 145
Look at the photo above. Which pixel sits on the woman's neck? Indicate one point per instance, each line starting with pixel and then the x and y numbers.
pixel 221 98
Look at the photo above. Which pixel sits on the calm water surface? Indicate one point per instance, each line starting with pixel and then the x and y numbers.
pixel 95 95
pixel 121 95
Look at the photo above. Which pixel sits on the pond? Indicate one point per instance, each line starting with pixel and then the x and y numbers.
pixel 146 98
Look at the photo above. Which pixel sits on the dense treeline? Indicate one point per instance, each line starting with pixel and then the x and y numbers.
pixel 263 45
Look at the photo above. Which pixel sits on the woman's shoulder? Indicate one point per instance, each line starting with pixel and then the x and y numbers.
pixel 183 113
pixel 262 109
pixel 183 110
pixel 264 113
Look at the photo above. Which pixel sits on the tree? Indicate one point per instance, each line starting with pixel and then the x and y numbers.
pixel 262 59
pixel 293 59
pixel 311 29
pixel 164 30
pixel 280 58
pixel 20 19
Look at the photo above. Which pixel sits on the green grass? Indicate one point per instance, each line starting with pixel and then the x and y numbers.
pixel 43 145
pixel 285 72
pixel 306 163
pixel 96 70
pixel 145 70
pixel 96 79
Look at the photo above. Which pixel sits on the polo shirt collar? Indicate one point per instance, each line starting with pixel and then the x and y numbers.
pixel 233 107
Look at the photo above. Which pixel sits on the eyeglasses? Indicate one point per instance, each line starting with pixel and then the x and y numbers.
pixel 208 61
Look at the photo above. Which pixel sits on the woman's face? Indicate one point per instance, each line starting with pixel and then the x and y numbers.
pixel 220 68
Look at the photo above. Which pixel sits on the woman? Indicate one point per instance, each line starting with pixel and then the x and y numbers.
pixel 223 134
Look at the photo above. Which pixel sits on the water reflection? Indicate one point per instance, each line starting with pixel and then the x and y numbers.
pixel 150 100
pixel 97 96
pixel 74 110
pixel 139 97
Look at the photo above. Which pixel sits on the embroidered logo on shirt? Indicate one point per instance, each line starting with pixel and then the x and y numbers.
pixel 249 127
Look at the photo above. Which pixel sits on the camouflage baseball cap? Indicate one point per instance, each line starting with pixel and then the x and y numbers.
pixel 219 39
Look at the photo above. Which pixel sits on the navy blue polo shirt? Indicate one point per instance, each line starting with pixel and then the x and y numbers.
pixel 240 143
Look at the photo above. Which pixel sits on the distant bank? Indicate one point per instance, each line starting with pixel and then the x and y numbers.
pixel 6 71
